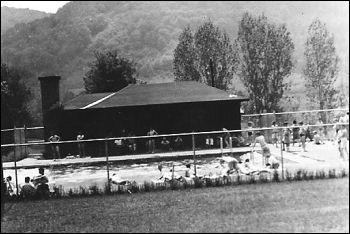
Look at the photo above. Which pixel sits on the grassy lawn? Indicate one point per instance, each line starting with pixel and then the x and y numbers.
pixel 306 206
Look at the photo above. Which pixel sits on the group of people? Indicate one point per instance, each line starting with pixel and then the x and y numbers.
pixel 298 133
pixel 37 187
pixel 151 143
pixel 226 167
pixel 55 148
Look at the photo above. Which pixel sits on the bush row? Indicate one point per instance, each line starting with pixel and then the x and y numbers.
pixel 237 179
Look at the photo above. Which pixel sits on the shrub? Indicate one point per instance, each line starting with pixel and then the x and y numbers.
pixel 218 181
pixel 58 192
pixel 107 188
pixel 198 183
pixel 70 193
pixel 174 185
pixel 298 175
pixel 276 176
pixel 332 173
pixel 311 175
pixel 94 190
pixel 252 180
pixel 239 179
pixel 343 173
pixel 83 191
pixel 304 175
pixel 289 176
pixel 320 175
pixel 134 188
pixel 263 178
pixel 148 186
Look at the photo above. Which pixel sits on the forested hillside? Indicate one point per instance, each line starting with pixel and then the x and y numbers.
pixel 63 43
pixel 11 16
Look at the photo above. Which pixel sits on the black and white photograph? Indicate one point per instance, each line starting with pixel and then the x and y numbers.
pixel 175 116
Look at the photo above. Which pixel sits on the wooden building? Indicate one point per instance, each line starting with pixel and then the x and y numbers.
pixel 176 107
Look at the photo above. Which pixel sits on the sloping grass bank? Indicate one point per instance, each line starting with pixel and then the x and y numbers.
pixel 303 206
pixel 235 179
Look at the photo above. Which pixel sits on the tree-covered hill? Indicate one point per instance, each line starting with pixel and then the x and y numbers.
pixel 11 16
pixel 63 43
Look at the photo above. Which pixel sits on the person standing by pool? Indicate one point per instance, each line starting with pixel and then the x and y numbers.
pixel 274 133
pixel 286 137
pixel 265 149
pixel 343 142
pixel 178 143
pixel 151 141
pixel 250 133
pixel 295 130
pixel 302 133
pixel 81 145
pixel 55 149
pixel 165 144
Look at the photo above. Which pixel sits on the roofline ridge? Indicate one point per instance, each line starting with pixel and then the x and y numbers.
pixel 98 101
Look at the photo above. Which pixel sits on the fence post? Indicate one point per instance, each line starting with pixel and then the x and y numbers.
pixel 25 140
pixel 221 147
pixel 106 151
pixel 231 151
pixel 15 158
pixel 282 156
pixel 3 187
pixel 194 154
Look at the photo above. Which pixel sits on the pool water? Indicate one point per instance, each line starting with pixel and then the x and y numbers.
pixel 75 176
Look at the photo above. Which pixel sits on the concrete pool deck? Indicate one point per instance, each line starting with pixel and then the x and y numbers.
pixel 317 156
pixel 34 163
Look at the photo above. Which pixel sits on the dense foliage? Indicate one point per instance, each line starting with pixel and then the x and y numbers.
pixel 14 97
pixel 322 65
pixel 109 73
pixel 207 56
pixel 11 16
pixel 265 59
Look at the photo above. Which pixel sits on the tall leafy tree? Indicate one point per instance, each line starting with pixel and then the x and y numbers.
pixel 205 55
pixel 321 66
pixel 109 72
pixel 14 97
pixel 185 57
pixel 265 60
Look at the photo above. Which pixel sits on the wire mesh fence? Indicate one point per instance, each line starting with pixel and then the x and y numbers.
pixel 29 143
pixel 294 120
pixel 107 151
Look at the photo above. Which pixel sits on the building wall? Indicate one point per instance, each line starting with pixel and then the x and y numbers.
pixel 165 119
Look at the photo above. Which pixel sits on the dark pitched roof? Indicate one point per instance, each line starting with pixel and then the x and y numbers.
pixel 150 94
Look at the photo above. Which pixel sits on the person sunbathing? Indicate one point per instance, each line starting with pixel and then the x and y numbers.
pixel 115 179
pixel 189 173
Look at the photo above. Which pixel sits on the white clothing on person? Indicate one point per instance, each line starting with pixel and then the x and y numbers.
pixel 209 141
pixel 80 137
pixel 344 119
pixel 243 169
pixel 11 188
pixel 261 141
pixel 189 173
pixel 265 149
pixel 115 179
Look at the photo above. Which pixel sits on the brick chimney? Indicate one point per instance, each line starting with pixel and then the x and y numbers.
pixel 50 99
